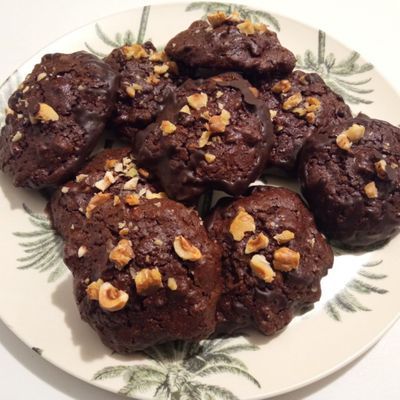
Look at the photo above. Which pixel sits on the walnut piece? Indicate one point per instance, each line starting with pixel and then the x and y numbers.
pixel 82 251
pixel 41 76
pixel 260 27
pixel 284 237
pixel 172 285
pixel 131 184
pixel 371 190
pixel 355 133
pixel 242 223
pixel 286 259
pixel 205 136
pixel 17 137
pixel 246 27
pixel 186 250
pixel 97 200
pixel 167 128
pixel 111 298
pixel 147 281
pixel 185 109
pixel 158 56
pixel 380 168
pixel 218 123
pixel 256 243
pixel 135 50
pixel 161 69
pixel 217 18
pixel 121 254
pixel 197 100
pixel 343 142
pixel 92 289
pixel 132 199
pixel 46 113
pixel 106 182
pixel 210 158
pixel 292 101
pixel 282 86
pixel 262 268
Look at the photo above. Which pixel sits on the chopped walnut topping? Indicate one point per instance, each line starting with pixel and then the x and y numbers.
pixel 355 133
pixel 273 113
pixel 110 164
pixel 185 109
pixel 218 123
pixel 92 289
pixel 256 243
pixel 81 177
pixel 254 91
pixel 106 182
pixel 116 201
pixel 292 101
pixel 46 113
pixel 158 56
pixel 82 251
pixel 197 100
pixel 186 250
pixel 158 242
pixel 260 27
pixel 205 136
pixel 242 223
pixel 133 88
pixel 217 18
pixel 147 281
pixel 135 50
pixel 121 254
pixel 371 190
pixel 210 158
pixel 124 231
pixel 167 128
pixel 246 27
pixel 206 115
pixel 219 94
pixel 131 172
pixel 343 142
pixel 286 259
pixel 262 268
pixel 300 111
pixel 380 168
pixel 132 199
pixel 150 195
pixel 284 237
pixel 312 104
pixel 311 117
pixel 131 184
pixel 41 76
pixel 172 285
pixel 96 201
pixel 234 17
pixel 111 298
pixel 65 189
pixel 161 69
pixel 153 79
pixel 282 86
pixel 17 137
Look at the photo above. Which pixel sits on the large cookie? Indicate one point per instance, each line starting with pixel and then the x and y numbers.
pixel 351 178
pixel 227 43
pixel 214 134
pixel 55 118
pixel 273 259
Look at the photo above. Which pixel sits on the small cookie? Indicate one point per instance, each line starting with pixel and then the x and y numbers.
pixel 56 118
pixel 214 133
pixel 301 104
pixel 155 280
pixel 228 43
pixel 147 78
pixel 273 259
pixel 111 174
pixel 350 176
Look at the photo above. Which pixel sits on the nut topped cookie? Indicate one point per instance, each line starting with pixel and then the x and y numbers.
pixel 272 262
pixel 351 178
pixel 229 43
pixel 214 133
pixel 301 104
pixel 55 118
pixel 155 280
pixel 147 78
pixel 111 175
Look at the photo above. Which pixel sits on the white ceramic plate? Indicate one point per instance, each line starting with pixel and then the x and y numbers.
pixel 360 297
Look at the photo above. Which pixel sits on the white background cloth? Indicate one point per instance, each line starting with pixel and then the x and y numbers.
pixel 371 27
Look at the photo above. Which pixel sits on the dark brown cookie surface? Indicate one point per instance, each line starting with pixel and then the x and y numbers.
pixel 147 78
pixel 350 176
pixel 214 133
pixel 155 280
pixel 300 105
pixel 228 43
pixel 273 259
pixel 55 118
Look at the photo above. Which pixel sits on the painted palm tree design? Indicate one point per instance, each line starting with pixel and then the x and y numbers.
pixel 42 247
pixel 337 73
pixel 346 299
pixel 245 12
pixel 176 369
pixel 121 39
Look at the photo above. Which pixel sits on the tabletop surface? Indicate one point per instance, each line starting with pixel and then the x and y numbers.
pixel 368 26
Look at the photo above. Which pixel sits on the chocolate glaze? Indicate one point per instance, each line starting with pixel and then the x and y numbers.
pixel 157 152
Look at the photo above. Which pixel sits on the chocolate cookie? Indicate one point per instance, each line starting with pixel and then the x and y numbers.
pixel 300 105
pixel 214 133
pixel 145 275
pixel 147 77
pixel 111 174
pixel 273 259
pixel 351 178
pixel 55 118
pixel 227 43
